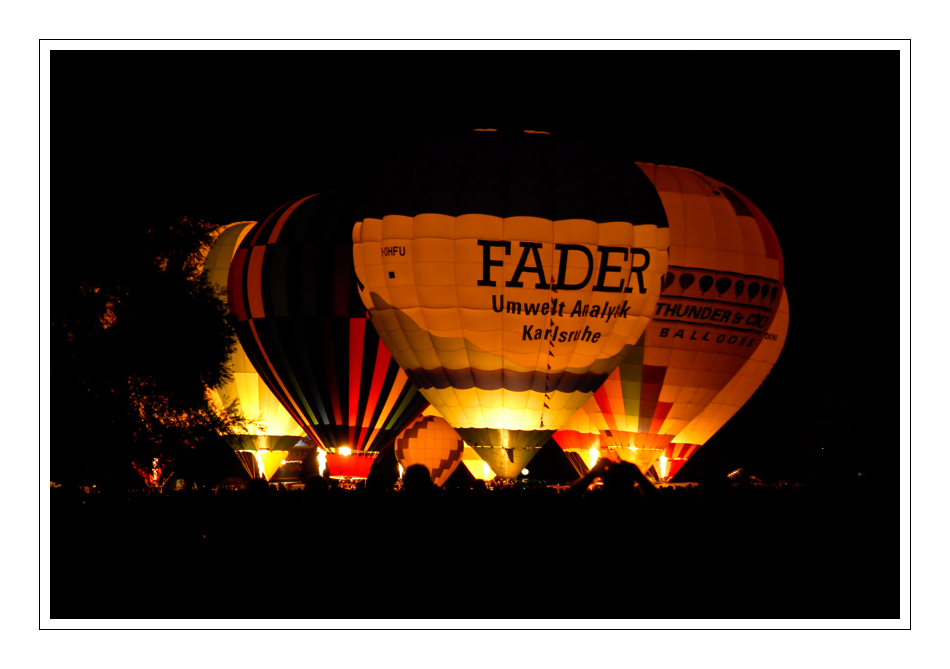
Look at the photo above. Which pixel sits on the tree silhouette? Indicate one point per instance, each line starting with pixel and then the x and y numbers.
pixel 138 337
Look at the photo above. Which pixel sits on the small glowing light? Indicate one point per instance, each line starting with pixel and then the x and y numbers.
pixel 345 450
pixel 486 470
pixel 283 462
pixel 400 471
pixel 663 469
pixel 594 454
pixel 260 462
pixel 322 461
pixel 524 471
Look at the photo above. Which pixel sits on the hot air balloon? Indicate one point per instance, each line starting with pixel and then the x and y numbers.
pixel 272 432
pixel 719 298
pixel 430 440
pixel 506 272
pixel 292 289
pixel 731 398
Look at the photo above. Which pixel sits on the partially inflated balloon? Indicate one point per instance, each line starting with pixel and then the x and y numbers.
pixel 270 428
pixel 719 298
pixel 476 465
pixel 731 398
pixel 430 441
pixel 293 291
pixel 507 272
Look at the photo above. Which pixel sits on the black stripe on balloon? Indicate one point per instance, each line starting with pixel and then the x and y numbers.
pixel 309 366
pixel 311 282
pixel 288 362
pixel 269 265
pixel 344 284
pixel 340 329
pixel 319 336
pixel 297 290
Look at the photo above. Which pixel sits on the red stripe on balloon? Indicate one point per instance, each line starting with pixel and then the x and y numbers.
pixel 376 388
pixel 283 219
pixel 260 227
pixel 235 281
pixel 255 297
pixel 603 402
pixel 674 467
pixel 357 326
pixel 659 415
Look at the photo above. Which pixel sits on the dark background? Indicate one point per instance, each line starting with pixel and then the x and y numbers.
pixel 810 137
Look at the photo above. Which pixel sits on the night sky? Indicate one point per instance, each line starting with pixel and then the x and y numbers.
pixel 810 137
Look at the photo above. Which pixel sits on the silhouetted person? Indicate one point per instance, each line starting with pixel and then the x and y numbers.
pixel 379 480
pixel 416 480
pixel 618 479
pixel 315 489
pixel 256 489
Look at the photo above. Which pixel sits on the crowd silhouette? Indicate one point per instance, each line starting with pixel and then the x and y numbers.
pixel 612 545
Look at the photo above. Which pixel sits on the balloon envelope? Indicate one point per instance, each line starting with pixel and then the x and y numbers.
pixel 507 272
pixel 719 297
pixel 430 441
pixel 292 289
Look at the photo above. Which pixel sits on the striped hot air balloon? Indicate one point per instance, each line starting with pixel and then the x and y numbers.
pixel 292 289
pixel 506 272
pixel 272 432
pixel 720 295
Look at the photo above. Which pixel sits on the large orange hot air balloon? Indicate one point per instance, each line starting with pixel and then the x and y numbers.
pixel 293 291
pixel 271 432
pixel 719 298
pixel 506 273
